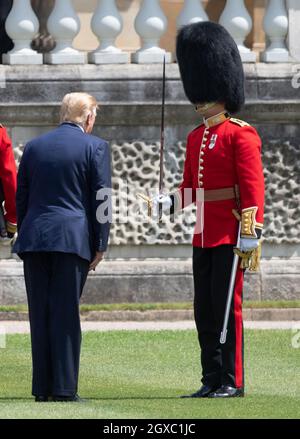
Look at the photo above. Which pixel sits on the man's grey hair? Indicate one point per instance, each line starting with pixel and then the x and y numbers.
pixel 76 108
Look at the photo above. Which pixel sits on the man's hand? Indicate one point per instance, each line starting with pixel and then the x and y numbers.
pixel 248 244
pixel 96 261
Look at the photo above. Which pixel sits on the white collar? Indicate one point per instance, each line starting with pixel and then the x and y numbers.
pixel 76 124
pixel 80 127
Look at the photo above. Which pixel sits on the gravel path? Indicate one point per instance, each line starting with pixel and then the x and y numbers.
pixel 23 327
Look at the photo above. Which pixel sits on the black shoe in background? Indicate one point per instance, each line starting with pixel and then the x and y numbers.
pixel 41 398
pixel 227 392
pixel 203 392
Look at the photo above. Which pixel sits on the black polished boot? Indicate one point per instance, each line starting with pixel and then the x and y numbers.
pixel 227 392
pixel 203 392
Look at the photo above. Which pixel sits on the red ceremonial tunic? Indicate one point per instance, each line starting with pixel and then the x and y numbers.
pixel 8 175
pixel 217 157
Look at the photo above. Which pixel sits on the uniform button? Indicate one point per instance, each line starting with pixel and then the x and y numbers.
pixel 200 183
pixel 201 168
pixel 200 175
pixel 201 160
pixel 202 153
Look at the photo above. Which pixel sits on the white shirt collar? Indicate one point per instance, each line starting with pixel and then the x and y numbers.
pixel 74 123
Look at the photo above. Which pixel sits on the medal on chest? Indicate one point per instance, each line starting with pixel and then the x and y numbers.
pixel 213 141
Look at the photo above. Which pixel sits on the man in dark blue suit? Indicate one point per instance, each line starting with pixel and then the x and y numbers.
pixel 64 216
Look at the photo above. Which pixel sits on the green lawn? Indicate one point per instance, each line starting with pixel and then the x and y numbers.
pixel 142 374
pixel 161 306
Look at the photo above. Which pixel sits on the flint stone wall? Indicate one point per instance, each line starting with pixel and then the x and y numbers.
pixel 130 120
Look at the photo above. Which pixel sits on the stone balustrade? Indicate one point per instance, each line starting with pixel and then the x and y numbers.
pixel 280 27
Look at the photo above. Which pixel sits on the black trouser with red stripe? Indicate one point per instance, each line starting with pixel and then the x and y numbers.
pixel 221 364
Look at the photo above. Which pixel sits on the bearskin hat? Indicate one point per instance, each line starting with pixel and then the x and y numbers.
pixel 210 65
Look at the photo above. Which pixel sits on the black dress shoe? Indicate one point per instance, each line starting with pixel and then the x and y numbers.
pixel 227 392
pixel 203 392
pixel 41 398
pixel 73 398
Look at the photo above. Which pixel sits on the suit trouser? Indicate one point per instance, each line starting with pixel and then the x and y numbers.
pixel 54 284
pixel 221 364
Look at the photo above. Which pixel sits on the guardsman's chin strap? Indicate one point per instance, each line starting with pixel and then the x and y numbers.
pixel 203 108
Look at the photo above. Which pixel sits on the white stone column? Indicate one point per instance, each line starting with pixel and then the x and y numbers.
pixel 237 20
pixel 22 25
pixel 192 12
pixel 151 24
pixel 276 29
pixel 294 28
pixel 107 24
pixel 64 25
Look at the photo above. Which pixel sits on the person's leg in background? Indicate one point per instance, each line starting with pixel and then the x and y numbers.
pixel 68 279
pixel 37 273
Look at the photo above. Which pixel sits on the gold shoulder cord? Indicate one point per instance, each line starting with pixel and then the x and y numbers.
pixel 239 122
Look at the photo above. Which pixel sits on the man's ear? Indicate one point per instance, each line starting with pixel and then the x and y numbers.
pixel 88 121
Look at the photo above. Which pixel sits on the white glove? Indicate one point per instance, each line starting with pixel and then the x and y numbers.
pixel 6 242
pixel 162 200
pixel 248 244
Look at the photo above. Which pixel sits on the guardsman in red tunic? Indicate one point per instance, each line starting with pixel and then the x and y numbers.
pixel 223 175
pixel 8 185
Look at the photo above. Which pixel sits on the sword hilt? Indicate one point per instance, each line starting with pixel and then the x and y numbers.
pixel 149 202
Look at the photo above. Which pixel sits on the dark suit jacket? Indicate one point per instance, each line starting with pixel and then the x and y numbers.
pixel 59 177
